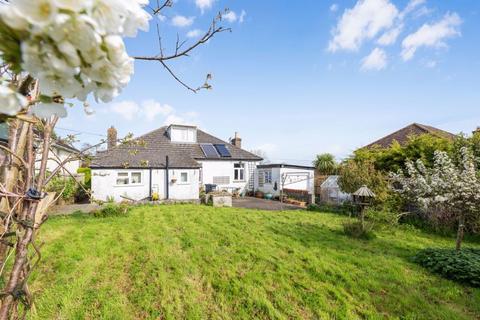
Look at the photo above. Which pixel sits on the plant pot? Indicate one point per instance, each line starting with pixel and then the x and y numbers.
pixel 259 194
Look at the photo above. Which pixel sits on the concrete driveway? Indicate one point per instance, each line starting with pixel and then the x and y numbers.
pixel 262 204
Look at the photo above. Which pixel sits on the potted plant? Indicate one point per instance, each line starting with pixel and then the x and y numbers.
pixel 259 194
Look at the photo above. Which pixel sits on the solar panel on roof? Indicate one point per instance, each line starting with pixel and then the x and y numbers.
pixel 222 150
pixel 209 150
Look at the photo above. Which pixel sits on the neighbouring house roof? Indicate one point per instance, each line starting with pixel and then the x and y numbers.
pixel 63 145
pixel 158 145
pixel 284 165
pixel 402 135
pixel 59 143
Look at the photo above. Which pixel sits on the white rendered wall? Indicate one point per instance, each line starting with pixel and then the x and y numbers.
pixel 104 185
pixel 225 168
pixel 60 155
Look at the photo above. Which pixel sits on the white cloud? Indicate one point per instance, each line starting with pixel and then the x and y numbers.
pixel 151 109
pixel 376 60
pixel 230 16
pixel 204 4
pixel 431 64
pixel 242 16
pixel 195 33
pixel 364 21
pixel 431 35
pixel 186 119
pixel 412 5
pixel 182 21
pixel 127 109
pixel 390 36
pixel 148 110
pixel 334 7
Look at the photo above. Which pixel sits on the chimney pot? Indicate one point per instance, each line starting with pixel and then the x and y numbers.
pixel 237 141
pixel 111 137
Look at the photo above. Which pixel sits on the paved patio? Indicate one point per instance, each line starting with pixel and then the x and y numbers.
pixel 262 204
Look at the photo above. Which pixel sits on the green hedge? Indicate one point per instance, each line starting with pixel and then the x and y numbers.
pixel 462 266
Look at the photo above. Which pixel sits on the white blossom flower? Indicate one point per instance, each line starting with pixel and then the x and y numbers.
pixel 11 102
pixel 75 48
pixel 74 5
pixel 13 18
pixel 39 12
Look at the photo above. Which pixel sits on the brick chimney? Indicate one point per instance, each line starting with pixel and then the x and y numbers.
pixel 111 137
pixel 236 141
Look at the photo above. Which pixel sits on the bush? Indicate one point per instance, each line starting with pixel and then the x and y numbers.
pixel 382 218
pixel 462 266
pixel 112 210
pixel 353 174
pixel 87 176
pixel 354 230
pixel 68 185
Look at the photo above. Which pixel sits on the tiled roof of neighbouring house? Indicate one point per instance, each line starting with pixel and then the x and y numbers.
pixel 158 146
pixel 402 135
pixel 58 143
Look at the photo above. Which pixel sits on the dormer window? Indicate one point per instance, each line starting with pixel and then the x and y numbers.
pixel 182 134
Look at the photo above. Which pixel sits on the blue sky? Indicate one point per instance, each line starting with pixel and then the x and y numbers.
pixel 301 78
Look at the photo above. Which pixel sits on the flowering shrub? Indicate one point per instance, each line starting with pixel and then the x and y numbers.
pixel 74 48
pixel 11 101
pixel 456 188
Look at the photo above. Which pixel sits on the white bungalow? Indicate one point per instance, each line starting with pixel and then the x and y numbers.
pixel 174 162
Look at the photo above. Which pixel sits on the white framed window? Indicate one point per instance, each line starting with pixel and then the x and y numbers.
pixel 239 172
pixel 129 178
pixel 122 178
pixel 184 177
pixel 267 176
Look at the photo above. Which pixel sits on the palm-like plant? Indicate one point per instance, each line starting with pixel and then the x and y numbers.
pixel 325 163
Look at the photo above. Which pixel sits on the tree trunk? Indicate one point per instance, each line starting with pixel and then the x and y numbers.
pixel 460 232
pixel 15 287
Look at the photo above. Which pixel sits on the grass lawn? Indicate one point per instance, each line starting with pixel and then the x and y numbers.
pixel 198 262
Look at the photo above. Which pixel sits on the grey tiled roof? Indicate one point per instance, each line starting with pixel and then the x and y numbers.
pixel 158 146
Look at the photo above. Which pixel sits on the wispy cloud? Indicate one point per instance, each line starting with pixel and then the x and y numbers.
pixel 243 14
pixel 334 7
pixel 204 4
pixel 390 36
pixel 364 21
pixel 431 35
pixel 182 21
pixel 376 60
pixel 151 109
pixel 195 33
pixel 127 109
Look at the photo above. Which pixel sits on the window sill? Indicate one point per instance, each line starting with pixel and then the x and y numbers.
pixel 129 185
